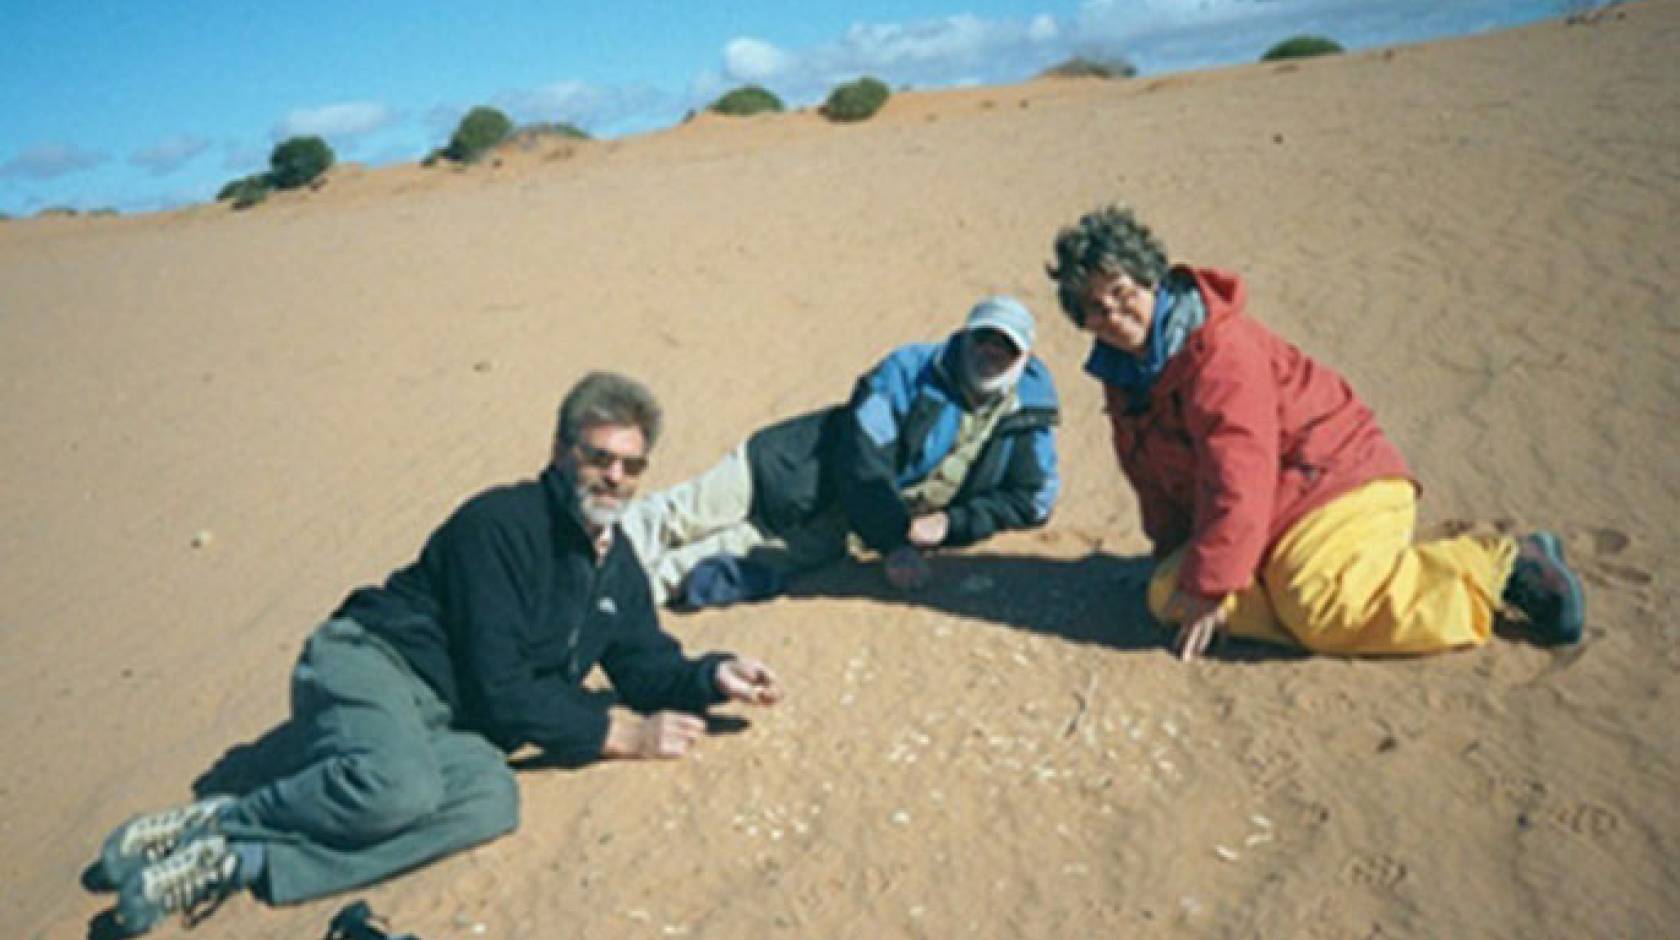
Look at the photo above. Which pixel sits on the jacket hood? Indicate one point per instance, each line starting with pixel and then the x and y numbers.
pixel 1225 296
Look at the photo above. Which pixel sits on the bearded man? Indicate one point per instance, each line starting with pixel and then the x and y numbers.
pixel 941 445
pixel 413 692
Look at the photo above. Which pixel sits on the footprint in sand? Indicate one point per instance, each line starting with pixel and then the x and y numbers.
pixel 1374 871
pixel 1588 819
pixel 1271 764
pixel 1607 542
pixel 1627 574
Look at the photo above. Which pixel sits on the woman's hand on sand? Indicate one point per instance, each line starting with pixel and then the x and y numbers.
pixel 1200 619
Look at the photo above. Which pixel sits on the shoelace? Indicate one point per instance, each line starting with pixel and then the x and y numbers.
pixel 195 882
pixel 155 836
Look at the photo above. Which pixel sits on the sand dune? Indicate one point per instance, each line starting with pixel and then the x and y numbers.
pixel 1480 233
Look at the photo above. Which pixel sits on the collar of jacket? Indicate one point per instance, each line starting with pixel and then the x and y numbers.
pixel 562 502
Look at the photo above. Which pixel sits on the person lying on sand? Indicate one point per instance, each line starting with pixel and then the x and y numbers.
pixel 941 445
pixel 1278 509
pixel 413 692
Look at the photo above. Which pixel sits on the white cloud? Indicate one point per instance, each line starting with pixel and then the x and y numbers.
pixel 594 108
pixel 344 121
pixel 50 161
pixel 168 155
pixel 753 60
pixel 935 51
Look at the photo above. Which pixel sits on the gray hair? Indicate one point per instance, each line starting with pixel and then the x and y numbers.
pixel 1109 240
pixel 608 398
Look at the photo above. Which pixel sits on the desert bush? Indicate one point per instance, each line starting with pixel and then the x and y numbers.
pixel 246 191
pixel 1085 67
pixel 1301 47
pixel 233 188
pixel 856 100
pixel 482 129
pixel 748 99
pixel 297 161
pixel 529 132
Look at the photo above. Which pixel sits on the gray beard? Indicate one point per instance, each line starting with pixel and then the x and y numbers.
pixel 596 511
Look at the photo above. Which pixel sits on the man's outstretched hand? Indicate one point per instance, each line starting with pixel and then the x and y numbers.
pixel 748 681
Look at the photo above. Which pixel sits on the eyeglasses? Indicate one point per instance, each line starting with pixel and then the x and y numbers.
pixel 602 459
pixel 1121 289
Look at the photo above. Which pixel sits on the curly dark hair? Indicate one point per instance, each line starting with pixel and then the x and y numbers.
pixel 1109 240
pixel 608 398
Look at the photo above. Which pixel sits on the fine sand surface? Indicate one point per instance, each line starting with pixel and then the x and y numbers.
pixel 214 424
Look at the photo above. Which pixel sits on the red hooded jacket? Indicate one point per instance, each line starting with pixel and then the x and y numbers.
pixel 1242 435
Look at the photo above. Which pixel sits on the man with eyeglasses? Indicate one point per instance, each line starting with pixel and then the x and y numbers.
pixel 941 445
pixel 414 692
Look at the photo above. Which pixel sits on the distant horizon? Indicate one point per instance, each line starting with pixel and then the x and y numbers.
pixel 158 109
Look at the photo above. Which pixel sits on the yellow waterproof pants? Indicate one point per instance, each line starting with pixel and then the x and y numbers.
pixel 1347 579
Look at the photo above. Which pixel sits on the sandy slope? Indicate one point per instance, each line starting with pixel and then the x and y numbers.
pixel 1480 233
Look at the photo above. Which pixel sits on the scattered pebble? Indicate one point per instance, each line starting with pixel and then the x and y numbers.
pixel 1229 855
pixel 901 818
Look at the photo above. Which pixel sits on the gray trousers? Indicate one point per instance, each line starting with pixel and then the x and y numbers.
pixel 676 529
pixel 388 786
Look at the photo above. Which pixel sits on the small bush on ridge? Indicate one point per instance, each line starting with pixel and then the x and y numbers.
pixel 748 99
pixel 856 100
pixel 1301 47
pixel 297 161
pixel 1082 67
pixel 482 129
pixel 527 133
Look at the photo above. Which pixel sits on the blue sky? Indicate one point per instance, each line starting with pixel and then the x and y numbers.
pixel 144 106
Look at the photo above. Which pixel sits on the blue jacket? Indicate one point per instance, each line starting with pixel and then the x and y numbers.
pixel 901 421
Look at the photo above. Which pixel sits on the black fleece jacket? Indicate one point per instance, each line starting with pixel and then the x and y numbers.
pixel 506 611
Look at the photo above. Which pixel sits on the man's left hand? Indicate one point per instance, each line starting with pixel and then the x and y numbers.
pixel 748 681
pixel 929 531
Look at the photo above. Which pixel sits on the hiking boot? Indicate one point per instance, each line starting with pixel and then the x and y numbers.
pixel 146 839
pixel 1548 593
pixel 192 881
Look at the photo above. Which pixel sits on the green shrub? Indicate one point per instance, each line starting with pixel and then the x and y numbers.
pixel 527 133
pixel 855 101
pixel 482 129
pixel 748 99
pixel 1301 47
pixel 1083 67
pixel 233 188
pixel 246 191
pixel 297 161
